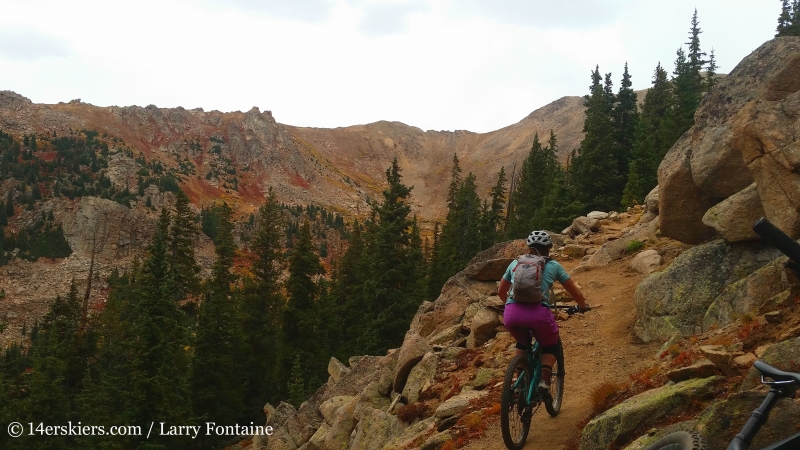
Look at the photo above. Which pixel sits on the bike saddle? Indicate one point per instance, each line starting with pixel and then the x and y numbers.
pixel 777 374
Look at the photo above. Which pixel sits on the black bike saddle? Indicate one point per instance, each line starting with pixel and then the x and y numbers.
pixel 776 374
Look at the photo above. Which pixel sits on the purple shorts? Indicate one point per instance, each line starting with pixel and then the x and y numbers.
pixel 534 316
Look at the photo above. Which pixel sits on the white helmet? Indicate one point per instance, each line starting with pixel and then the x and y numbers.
pixel 539 238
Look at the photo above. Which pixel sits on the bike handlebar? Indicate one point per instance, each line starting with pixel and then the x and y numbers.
pixel 572 309
pixel 778 238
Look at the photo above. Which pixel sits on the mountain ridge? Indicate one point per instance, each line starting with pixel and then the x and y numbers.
pixel 337 167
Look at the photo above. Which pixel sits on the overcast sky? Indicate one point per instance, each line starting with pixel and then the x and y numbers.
pixel 477 65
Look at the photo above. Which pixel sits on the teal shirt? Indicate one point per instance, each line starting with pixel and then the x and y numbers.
pixel 552 271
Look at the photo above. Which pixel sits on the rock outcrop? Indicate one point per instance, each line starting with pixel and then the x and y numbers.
pixel 744 133
pixel 677 299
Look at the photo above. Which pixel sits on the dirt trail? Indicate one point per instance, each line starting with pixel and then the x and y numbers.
pixel 598 347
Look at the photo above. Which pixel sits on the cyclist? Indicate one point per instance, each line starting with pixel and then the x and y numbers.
pixel 537 316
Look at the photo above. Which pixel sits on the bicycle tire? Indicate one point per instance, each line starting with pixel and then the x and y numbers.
pixel 515 420
pixel 679 440
pixel 556 389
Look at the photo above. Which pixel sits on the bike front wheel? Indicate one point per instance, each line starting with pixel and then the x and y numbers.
pixel 515 413
pixel 679 440
pixel 556 390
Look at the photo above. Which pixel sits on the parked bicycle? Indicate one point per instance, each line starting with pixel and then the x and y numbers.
pixel 521 397
pixel 782 384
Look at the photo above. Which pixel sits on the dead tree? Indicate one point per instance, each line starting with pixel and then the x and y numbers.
pixel 102 243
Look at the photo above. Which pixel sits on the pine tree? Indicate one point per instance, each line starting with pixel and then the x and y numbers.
pixel 216 381
pixel 262 310
pixel 652 140
pixel 455 180
pixel 395 287
pixel 58 365
pixel 493 213
pixel 788 23
pixel 527 195
pixel 297 385
pixel 301 317
pixel 348 294
pixel 460 238
pixel 159 364
pixel 107 390
pixel 183 268
pixel 688 82
pixel 598 181
pixel 711 72
pixel 625 117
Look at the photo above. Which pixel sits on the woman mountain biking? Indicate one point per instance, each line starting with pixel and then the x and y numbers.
pixel 519 316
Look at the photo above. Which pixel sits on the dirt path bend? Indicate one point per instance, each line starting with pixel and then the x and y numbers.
pixel 598 347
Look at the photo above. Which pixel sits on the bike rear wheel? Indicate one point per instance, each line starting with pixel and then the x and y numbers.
pixel 679 440
pixel 556 390
pixel 515 413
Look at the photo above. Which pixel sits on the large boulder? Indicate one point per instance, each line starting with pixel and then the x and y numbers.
pixel 585 224
pixel 421 377
pixel 329 407
pixel 374 428
pixel 336 369
pixel 362 371
pixel 414 348
pixel 280 440
pixel 488 270
pixel 411 435
pixel 457 294
pixel 725 151
pixel 675 300
pixel 459 403
pixel 747 294
pixel 342 424
pixel 733 218
pixel 618 423
pixel 482 327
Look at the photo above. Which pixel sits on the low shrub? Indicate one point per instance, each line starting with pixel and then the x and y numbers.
pixel 634 246
pixel 412 412
pixel 603 395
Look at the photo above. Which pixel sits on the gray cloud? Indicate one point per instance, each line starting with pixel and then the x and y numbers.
pixel 26 44
pixel 382 18
pixel 547 13
pixel 302 10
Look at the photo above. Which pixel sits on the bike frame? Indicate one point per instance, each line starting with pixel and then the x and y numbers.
pixel 535 363
pixel 758 418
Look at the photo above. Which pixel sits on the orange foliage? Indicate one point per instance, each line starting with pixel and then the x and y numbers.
pixel 409 413
pixel 449 445
pixel 747 328
pixel 644 377
pixel 493 410
pixel 603 395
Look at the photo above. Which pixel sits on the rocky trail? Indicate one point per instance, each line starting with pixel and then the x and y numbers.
pixel 599 347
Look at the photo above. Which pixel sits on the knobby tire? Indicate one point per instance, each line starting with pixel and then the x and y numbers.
pixel 515 420
pixel 679 440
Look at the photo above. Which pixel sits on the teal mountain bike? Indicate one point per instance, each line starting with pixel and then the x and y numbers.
pixel 521 397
